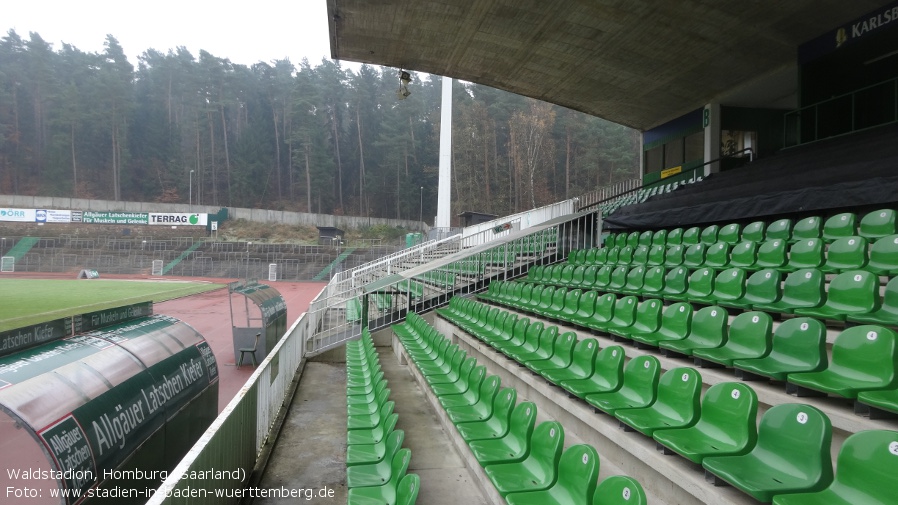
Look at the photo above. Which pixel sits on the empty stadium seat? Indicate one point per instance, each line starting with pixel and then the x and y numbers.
pixel 762 287
pixel 851 292
pixel 884 256
pixel 577 472
pixel 676 321
pixel 863 359
pixel 645 238
pixel 604 311
pixel 390 491
pixel 771 254
pixel 624 314
pixel 659 238
pixel 887 314
pixel 638 387
pixel 647 319
pixel 481 409
pixel 676 403
pixel 846 253
pixel 606 375
pixel 709 330
pixel 808 253
pixel 744 254
pixel 619 490
pixel 779 230
pixel 749 336
pixel 695 255
pixel 538 469
pixel 496 425
pixel 729 234
pixel 675 283
pixel 635 281
pixel 699 287
pixel 809 227
pixel 866 471
pixel 674 256
pixel 561 357
pixel 376 434
pixel 725 427
pixel 709 234
pixel 839 226
pixel 379 472
pixel 718 255
pixel 798 345
pixel 653 283
pixel 690 236
pixel 754 232
pixel 792 455
pixel 514 445
pixel 878 224
pixel 801 289
pixel 656 255
pixel 581 366
pixel 729 287
pixel 586 307
pixel 675 236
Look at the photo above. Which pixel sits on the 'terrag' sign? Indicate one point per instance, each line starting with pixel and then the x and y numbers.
pixel 178 219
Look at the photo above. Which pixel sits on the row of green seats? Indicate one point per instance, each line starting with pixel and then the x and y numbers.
pixel 873 226
pixel 853 295
pixel 789 452
pixel 846 253
pixel 414 288
pixel 439 278
pixel 862 367
pixel 524 462
pixel 376 462
pixel 353 310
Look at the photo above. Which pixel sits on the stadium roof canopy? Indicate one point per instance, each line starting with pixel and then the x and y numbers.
pixel 635 62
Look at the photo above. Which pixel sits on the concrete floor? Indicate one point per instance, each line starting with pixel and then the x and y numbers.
pixel 311 449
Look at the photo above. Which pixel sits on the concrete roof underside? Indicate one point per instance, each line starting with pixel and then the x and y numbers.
pixel 635 62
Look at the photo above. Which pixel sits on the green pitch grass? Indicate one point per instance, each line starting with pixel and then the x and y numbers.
pixel 25 302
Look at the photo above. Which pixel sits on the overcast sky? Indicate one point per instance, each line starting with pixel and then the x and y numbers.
pixel 244 32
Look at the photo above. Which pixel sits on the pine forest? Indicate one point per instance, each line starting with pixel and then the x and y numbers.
pixel 284 136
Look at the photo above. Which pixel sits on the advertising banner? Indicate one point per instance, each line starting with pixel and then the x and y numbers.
pixel 52 216
pixel 90 217
pixel 178 219
pixel 22 338
pixel 18 215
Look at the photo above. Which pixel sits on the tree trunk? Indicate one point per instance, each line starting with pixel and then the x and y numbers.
pixel 212 158
pixel 358 124
pixel 307 148
pixel 224 131
pixel 277 150
pixel 74 163
pixel 339 163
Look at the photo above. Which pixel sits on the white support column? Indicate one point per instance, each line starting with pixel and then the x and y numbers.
pixel 444 191
pixel 711 123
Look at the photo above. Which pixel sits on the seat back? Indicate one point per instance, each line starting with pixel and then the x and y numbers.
pixel 691 236
pixel 625 257
pixel 609 363
pixel 701 283
pixel 578 470
pixel 619 490
pixel 645 238
pixel 589 276
pixel 779 230
pixel 633 239
pixel 679 390
pixel 808 253
pixel 399 466
pixel 584 355
pixel 571 301
pixel 546 444
pixel 488 391
pixel 635 279
pixel 675 282
pixel 729 234
pixel 878 224
pixel 854 292
pixel 709 234
pixel 586 307
pixel 800 342
pixel 674 255
pixel 601 257
pixel 709 327
pixel 659 237
pixel 641 255
pixel 884 256
pixel 754 232
pixel 751 331
pixel 656 255
pixel 522 422
pixel 695 255
pixel 653 283
pixel 563 350
pixel 648 315
pixel 846 253
pixel 718 255
pixel 866 352
pixel 577 276
pixel 809 227
pixel 641 375
pixel 624 312
pixel 730 284
pixel 604 307
pixel 799 436
pixel 611 257
pixel 677 319
pixel 744 254
pixel 407 490
pixel 603 277
pixel 618 278
pixel 840 225
pixel 868 463
pixel 731 408
pixel 803 288
pixel 772 254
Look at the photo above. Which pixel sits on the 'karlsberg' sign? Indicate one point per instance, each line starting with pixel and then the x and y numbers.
pixel 178 219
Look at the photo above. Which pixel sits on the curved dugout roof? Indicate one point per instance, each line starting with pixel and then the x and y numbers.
pixel 639 63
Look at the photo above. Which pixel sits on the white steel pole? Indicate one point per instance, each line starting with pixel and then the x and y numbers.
pixel 444 190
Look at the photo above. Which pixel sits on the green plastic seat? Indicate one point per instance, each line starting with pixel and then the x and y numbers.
pixel 640 255
pixel 607 374
pixel 656 255
pixel 538 470
pixel 839 226
pixel 729 234
pixel 603 278
pixel 406 492
pixel 470 395
pixel 635 281
pixel 779 230
pixel 866 470
pixel 604 311
pixel 798 345
pixel 700 286
pixel 624 315
pixel 887 314
pixel 809 227
pixel 709 330
pixel 754 232
pixel 729 288
pixel 638 387
pixel 676 321
pixel 674 256
pixel 792 455
pixel 717 255
pixel 543 348
pixel 386 492
pixel 808 253
pixel 479 410
pixel 675 236
pixel 749 336
pixel 589 277
pixel 771 254
pixel 369 421
pixel 676 403
pixel 514 445
pixel 691 236
pixel 496 425
pixel 625 256
pixel 879 224
pixel 376 434
pixel 885 400
pixel 618 279
pixel 863 359
pixel 369 454
pixel 570 305
pixel 675 283
pixel 647 319
pixel 378 472
pixel 368 398
pixel 577 276
pixel 562 355
pixel 846 253
pixel 659 237
pixel 581 366
pixel 456 373
pixel 884 256
pixel 361 409
pixel 364 386
pixel 695 255
pixel 709 234
pixel 577 472
pixel 586 307
pixel 744 255
pixel 851 292
pixel 633 239
pixel 521 333
pixel 555 305
pixel 801 289
pixel 725 427
pixel 619 490
pixel 612 256
pixel 645 238
pixel 469 372
pixel 653 283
